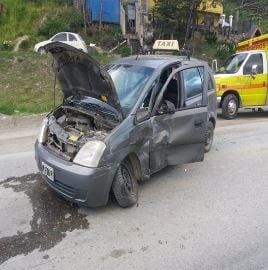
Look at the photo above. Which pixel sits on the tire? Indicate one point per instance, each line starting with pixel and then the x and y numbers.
pixel 230 106
pixel 125 185
pixel 209 137
pixel 41 50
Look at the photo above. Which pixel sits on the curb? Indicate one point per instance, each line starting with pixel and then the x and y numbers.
pixel 24 121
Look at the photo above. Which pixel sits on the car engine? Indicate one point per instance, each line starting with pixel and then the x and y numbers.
pixel 69 129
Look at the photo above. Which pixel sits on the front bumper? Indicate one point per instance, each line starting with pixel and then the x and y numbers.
pixel 86 186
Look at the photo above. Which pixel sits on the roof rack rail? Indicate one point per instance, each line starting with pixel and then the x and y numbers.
pixel 186 53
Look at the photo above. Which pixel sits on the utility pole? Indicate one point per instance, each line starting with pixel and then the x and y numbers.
pixel 189 21
pixel 84 15
pixel 259 14
pixel 100 19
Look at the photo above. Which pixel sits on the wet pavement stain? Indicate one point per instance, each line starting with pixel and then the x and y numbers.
pixel 117 253
pixel 52 218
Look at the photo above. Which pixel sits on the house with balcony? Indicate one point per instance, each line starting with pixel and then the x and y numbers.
pixel 209 14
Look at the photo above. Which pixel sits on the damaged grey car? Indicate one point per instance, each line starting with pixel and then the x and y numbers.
pixel 119 124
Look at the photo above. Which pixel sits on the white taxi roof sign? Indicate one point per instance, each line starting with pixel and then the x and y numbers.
pixel 171 45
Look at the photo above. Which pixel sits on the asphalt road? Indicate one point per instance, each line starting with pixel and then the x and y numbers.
pixel 209 215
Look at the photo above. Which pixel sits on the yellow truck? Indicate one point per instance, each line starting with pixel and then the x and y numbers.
pixel 242 81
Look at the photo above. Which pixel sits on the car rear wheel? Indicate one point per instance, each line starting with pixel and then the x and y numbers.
pixel 230 106
pixel 125 186
pixel 209 136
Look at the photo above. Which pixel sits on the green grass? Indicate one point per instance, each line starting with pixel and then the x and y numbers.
pixel 21 18
pixel 26 17
pixel 27 82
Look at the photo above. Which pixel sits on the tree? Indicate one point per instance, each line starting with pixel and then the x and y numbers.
pixel 166 15
pixel 253 9
pixel 173 18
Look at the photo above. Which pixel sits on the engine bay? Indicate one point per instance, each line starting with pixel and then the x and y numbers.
pixel 69 129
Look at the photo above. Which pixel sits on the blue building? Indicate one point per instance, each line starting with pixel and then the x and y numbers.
pixel 107 11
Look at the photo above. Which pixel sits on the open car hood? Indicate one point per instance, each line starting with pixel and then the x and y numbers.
pixel 80 74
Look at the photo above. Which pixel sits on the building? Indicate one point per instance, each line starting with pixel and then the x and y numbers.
pixel 209 14
pixel 134 22
pixel 105 11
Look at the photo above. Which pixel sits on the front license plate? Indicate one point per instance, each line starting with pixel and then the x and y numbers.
pixel 48 171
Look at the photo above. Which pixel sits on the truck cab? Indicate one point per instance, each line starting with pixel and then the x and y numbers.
pixel 242 80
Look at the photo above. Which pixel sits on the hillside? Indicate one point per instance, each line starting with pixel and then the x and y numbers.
pixel 37 19
pixel 40 19
pixel 22 17
pixel 27 82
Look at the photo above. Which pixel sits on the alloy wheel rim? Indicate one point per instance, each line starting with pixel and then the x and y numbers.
pixel 127 187
pixel 232 107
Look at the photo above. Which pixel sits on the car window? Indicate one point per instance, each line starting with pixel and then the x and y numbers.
pixel 192 82
pixel 255 59
pixel 72 37
pixel 60 37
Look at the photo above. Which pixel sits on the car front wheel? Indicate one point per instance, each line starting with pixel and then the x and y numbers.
pixel 125 186
pixel 230 106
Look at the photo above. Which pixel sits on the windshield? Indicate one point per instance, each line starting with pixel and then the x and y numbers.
pixel 233 63
pixel 129 82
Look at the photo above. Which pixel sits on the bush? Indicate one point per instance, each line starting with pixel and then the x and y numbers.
pixel 210 37
pixel 51 26
pixel 109 36
pixel 225 49
pixel 25 45
pixel 6 45
pixel 74 19
pixel 67 20
pixel 124 51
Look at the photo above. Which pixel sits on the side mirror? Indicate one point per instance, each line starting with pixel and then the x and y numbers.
pixel 166 107
pixel 142 114
pixel 254 69
pixel 214 65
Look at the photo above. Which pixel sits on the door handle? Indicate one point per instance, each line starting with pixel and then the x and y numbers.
pixel 198 122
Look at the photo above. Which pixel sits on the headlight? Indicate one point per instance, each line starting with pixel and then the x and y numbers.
pixel 42 133
pixel 90 154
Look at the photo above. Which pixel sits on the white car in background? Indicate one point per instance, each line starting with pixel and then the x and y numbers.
pixel 69 38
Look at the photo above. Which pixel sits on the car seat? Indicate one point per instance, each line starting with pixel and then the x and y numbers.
pixel 171 93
